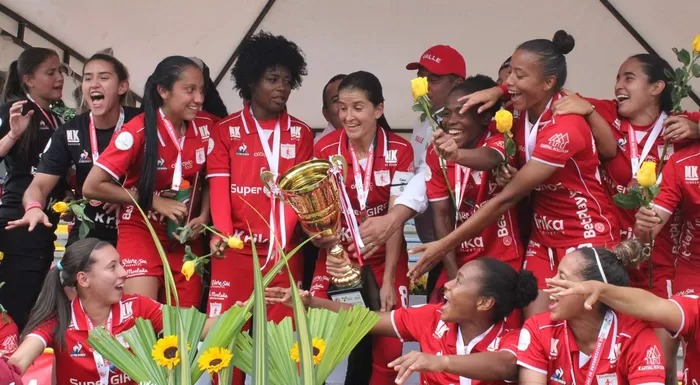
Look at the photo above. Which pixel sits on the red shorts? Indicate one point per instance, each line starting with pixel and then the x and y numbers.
pixel 686 280
pixel 543 261
pixel 232 280
pixel 662 284
pixel 140 258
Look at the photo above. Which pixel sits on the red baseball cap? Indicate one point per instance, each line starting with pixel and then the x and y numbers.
pixel 441 60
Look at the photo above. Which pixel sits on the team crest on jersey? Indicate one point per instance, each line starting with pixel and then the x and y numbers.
pixel 440 329
pixel 607 379
pixel 390 158
pixel 493 346
pixel 72 137
pixel 553 348
pixel 204 131
pixel 242 150
pixel 288 151
pixel 84 157
pixel 124 141
pixel 214 309
pixel 234 132
pixel 295 132
pixel 77 350
pixel 381 178
pixel 200 157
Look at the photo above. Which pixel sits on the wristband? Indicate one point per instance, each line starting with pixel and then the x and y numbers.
pixel 12 138
pixel 504 87
pixel 33 205
pixel 591 111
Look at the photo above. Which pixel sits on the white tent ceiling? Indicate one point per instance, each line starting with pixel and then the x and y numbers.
pixel 341 36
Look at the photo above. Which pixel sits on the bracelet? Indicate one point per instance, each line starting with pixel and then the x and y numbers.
pixel 591 111
pixel 12 138
pixel 33 205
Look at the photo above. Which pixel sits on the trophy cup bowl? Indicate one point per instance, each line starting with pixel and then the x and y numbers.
pixel 314 196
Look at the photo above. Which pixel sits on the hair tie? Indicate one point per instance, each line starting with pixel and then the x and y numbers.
pixel 600 265
pixel 59 266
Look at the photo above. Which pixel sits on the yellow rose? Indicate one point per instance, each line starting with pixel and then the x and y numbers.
pixel 60 207
pixel 187 269
pixel 646 177
pixel 234 243
pixel 504 121
pixel 419 87
pixel 2 255
pixel 696 44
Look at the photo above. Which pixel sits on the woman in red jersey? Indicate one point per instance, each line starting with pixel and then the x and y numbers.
pixel 157 152
pixel 636 126
pixel 569 345
pixel 465 338
pixel 380 163
pixel 559 163
pixel 470 179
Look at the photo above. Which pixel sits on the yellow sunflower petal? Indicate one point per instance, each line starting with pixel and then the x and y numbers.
pixel 215 359
pixel 165 352
pixel 319 349
pixel 294 352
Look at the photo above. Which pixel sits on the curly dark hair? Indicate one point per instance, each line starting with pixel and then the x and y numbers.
pixel 261 52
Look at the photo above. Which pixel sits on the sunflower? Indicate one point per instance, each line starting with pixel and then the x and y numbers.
pixel 318 349
pixel 214 359
pixel 165 352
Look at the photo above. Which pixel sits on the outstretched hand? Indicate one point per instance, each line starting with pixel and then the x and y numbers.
pixel 433 252
pixel 561 288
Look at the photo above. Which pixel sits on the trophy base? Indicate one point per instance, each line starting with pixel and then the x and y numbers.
pixel 349 295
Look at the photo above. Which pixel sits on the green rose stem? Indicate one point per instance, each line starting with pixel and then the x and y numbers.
pixel 425 105
pixel 647 248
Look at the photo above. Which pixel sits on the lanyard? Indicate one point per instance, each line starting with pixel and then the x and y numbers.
pixel 531 131
pixel 362 186
pixel 93 134
pixel 603 334
pixel 100 362
pixel 460 187
pixel 635 158
pixel 49 118
pixel 272 155
pixel 179 145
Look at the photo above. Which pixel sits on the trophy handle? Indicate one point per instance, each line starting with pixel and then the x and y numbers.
pixel 268 180
pixel 338 160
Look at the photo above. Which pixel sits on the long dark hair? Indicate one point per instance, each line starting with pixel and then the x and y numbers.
pixel 509 288
pixel 551 55
pixel 14 90
pixel 53 302
pixel 370 85
pixel 167 72
pixel 655 67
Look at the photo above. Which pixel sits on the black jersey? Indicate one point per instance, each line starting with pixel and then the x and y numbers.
pixel 21 163
pixel 70 147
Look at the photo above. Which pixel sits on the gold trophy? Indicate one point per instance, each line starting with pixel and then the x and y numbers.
pixel 314 196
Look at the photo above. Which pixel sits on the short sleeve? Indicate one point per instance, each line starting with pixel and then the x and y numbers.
pixel 509 342
pixel 56 158
pixel 44 332
pixel 124 149
pixel 410 323
pixel 218 158
pixel 435 184
pixel 671 193
pixel 152 311
pixel 531 352
pixel 497 142
pixel 690 311
pixel 404 170
pixel 644 360
pixel 560 141
pixel 605 108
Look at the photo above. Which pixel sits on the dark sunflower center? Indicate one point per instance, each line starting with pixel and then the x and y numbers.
pixel 170 352
pixel 215 361
pixel 316 351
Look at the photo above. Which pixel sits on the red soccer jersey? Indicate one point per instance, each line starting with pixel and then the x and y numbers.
pixel 571 208
pixel 631 354
pixel 690 307
pixel 77 363
pixel 392 167
pixel 239 156
pixel 617 176
pixel 680 190
pixel 499 240
pixel 124 158
pixel 9 335
pixel 423 325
